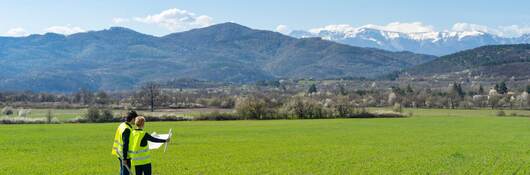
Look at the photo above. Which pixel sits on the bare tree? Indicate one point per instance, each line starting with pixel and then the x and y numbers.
pixel 455 94
pixel 84 96
pixel 102 98
pixel 150 92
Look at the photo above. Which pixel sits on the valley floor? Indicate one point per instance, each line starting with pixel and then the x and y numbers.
pixel 67 114
pixel 430 142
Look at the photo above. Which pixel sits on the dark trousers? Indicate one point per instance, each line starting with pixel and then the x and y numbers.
pixel 123 170
pixel 143 169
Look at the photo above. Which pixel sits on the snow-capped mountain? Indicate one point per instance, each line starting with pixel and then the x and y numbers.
pixel 434 43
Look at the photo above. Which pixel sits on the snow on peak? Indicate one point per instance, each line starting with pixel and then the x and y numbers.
pixel 391 31
pixel 418 37
pixel 413 27
pixel 345 29
pixel 461 34
pixel 413 31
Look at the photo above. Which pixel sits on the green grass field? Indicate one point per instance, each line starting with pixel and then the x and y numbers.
pixel 430 142
pixel 61 114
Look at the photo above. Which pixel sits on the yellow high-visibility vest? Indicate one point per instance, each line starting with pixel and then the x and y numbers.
pixel 118 140
pixel 140 155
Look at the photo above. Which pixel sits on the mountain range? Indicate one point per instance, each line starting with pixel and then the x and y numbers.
pixel 121 59
pixel 433 43
pixel 486 62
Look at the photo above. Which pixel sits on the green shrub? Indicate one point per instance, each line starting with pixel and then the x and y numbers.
pixel 92 114
pixel 218 116
pixel 379 114
pixel 106 115
pixel 95 115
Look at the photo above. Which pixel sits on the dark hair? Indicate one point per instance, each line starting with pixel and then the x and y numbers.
pixel 131 115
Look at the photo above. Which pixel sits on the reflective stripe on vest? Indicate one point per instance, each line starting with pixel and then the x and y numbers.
pixel 138 152
pixel 118 140
pixel 140 155
pixel 141 158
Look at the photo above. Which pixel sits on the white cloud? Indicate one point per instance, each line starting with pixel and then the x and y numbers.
pixel 203 21
pixel 16 32
pixel 467 27
pixel 413 27
pixel 283 29
pixel 176 20
pixel 514 30
pixel 344 28
pixel 504 31
pixel 65 30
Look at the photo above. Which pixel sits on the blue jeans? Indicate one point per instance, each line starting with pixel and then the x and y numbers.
pixel 123 170
pixel 143 169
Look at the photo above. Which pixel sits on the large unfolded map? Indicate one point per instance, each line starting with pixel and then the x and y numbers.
pixel 154 145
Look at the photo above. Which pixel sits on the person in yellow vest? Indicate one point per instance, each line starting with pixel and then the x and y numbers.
pixel 121 145
pixel 140 155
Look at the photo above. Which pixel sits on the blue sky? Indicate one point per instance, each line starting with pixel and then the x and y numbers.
pixel 157 17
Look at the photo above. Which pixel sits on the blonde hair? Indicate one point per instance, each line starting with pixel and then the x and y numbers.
pixel 139 121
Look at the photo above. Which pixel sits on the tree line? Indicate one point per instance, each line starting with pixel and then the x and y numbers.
pixel 152 95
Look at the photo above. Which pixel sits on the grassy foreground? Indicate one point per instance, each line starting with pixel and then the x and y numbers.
pixel 431 142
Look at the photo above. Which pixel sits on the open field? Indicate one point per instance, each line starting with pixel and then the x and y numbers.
pixel 61 114
pixel 65 114
pixel 432 141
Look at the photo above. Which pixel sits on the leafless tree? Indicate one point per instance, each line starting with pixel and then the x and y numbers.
pixel 150 92
pixel 102 98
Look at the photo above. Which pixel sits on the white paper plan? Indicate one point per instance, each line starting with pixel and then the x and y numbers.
pixel 153 145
